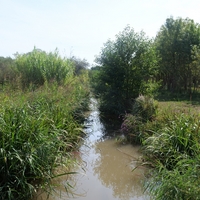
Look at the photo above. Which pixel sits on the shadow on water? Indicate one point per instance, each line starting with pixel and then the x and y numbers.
pixel 105 167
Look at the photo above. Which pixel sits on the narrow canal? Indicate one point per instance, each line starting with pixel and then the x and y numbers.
pixel 105 168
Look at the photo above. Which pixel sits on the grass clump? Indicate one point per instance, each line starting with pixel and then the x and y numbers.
pixel 173 151
pixel 176 140
pixel 144 110
pixel 180 183
pixel 145 107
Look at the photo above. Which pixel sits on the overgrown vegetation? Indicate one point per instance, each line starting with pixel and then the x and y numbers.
pixel 171 145
pixel 133 71
pixel 40 114
pixel 133 64
pixel 43 97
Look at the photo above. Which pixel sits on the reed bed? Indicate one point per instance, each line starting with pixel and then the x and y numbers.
pixel 172 146
pixel 39 123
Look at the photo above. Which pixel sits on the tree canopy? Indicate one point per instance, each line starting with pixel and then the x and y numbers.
pixel 127 63
pixel 175 43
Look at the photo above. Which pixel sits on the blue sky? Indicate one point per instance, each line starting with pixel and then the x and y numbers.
pixel 81 27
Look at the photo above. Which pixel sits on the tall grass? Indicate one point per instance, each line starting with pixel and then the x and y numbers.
pixel 39 125
pixel 35 138
pixel 37 67
pixel 143 111
pixel 170 139
pixel 173 150
pixel 180 183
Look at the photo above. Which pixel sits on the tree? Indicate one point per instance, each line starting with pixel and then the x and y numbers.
pixel 7 71
pixel 174 43
pixel 195 68
pixel 80 64
pixel 126 64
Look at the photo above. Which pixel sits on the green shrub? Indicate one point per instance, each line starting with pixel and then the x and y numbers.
pixel 145 107
pixel 131 128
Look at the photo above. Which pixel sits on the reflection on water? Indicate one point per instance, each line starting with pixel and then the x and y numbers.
pixel 105 168
pixel 114 169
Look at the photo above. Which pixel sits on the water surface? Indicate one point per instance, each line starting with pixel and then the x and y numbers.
pixel 105 168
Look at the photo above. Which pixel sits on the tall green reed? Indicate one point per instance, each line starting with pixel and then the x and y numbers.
pixel 37 67
pixel 174 150
pixel 39 124
pixel 37 132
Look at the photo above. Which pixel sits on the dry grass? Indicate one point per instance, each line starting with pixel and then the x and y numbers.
pixel 178 106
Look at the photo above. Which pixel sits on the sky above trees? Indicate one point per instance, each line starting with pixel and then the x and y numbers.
pixel 81 27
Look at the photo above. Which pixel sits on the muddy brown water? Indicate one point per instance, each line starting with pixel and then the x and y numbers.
pixel 104 168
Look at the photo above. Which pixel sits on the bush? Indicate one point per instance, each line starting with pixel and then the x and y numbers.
pixel 145 107
pixel 131 128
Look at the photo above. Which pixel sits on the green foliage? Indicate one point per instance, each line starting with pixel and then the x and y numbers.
pixel 38 67
pixel 179 137
pixel 145 107
pixel 150 88
pixel 39 128
pixel 131 128
pixel 180 183
pixel 171 144
pixel 93 75
pixel 125 64
pixel 28 152
pixel 173 150
pixel 7 71
pixel 174 43
pixel 135 124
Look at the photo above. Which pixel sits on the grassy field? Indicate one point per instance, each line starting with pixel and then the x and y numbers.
pixel 180 106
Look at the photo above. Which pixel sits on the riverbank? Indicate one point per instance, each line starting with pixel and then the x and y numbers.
pixel 38 131
pixel 171 146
